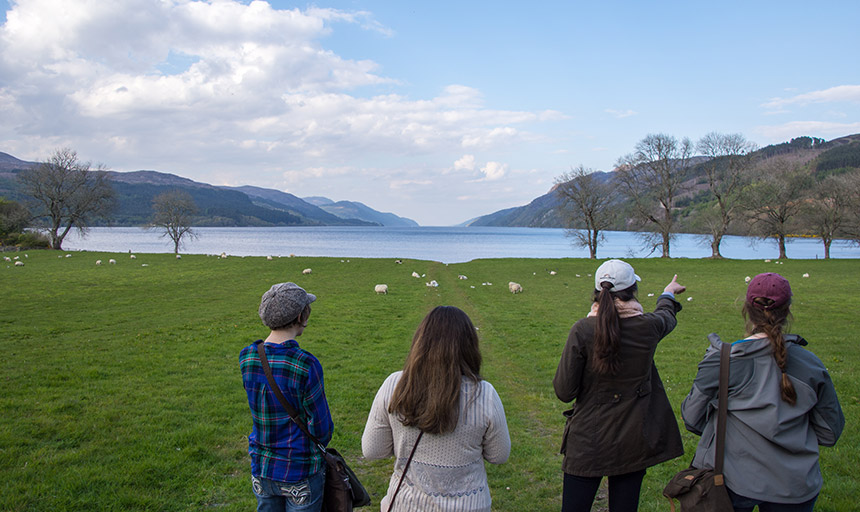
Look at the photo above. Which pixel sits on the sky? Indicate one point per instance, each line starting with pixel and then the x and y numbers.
pixel 438 111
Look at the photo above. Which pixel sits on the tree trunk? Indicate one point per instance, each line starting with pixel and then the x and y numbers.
pixel 782 255
pixel 592 245
pixel 715 246
pixel 827 243
pixel 665 245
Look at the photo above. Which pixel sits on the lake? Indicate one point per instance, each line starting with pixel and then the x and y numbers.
pixel 445 244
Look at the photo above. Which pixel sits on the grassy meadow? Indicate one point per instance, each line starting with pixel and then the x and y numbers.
pixel 120 386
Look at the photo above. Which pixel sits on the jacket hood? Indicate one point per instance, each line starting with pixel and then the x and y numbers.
pixel 745 347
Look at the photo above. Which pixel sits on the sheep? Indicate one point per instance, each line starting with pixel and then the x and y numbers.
pixel 132 256
pixel 306 271
pixel 223 255
pixel 415 274
pixel 178 256
pixel 7 258
pixel 98 262
pixel 112 261
pixel 381 288
pixel 16 258
pixel 461 276
pixel 19 263
pixel 399 262
pixel 433 284
pixel 552 272
pixel 747 279
pixel 68 255
pixel 806 275
pixel 515 287
pixel 269 258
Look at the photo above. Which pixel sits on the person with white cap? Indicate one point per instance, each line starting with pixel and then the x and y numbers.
pixel 622 422
pixel 781 406
pixel 287 470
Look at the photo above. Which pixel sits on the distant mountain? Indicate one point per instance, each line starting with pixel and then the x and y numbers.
pixel 217 206
pixel 835 156
pixel 9 163
pixel 356 210
pixel 283 200
pixel 540 213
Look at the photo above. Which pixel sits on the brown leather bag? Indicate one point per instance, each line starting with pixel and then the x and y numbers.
pixel 704 490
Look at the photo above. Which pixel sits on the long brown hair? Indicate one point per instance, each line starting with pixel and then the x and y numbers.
pixel 606 351
pixel 444 349
pixel 761 318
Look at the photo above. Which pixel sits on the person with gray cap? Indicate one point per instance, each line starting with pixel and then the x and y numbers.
pixel 782 405
pixel 622 422
pixel 287 470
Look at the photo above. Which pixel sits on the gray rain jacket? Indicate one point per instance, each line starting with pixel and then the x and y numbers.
pixel 771 446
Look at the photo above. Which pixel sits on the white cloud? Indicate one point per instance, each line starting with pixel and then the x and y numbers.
pixel 466 163
pixel 620 114
pixel 494 170
pixel 834 94
pixel 827 130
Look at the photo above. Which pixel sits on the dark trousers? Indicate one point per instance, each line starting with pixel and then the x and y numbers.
pixel 579 491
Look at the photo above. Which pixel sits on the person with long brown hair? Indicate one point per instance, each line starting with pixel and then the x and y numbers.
pixel 622 422
pixel 441 397
pixel 782 405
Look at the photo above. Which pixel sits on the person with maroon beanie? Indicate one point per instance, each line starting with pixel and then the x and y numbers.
pixel 782 405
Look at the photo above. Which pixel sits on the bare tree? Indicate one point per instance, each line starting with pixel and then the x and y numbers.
pixel 828 213
pixel 652 178
pixel 68 193
pixel 587 202
pixel 727 172
pixel 776 198
pixel 173 212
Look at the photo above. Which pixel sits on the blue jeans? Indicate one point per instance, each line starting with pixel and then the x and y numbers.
pixel 744 504
pixel 304 496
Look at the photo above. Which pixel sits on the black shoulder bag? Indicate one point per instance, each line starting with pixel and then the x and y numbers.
pixel 704 490
pixel 343 490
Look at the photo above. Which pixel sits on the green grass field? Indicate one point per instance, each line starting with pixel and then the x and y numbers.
pixel 120 387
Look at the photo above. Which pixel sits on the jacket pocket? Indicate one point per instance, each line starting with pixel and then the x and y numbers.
pixel 569 415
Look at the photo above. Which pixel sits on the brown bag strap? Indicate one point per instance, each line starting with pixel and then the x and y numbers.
pixel 722 408
pixel 273 385
pixel 405 469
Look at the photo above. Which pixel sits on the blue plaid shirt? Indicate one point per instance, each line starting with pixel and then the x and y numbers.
pixel 279 450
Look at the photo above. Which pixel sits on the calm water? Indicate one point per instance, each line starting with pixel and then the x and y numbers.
pixel 445 244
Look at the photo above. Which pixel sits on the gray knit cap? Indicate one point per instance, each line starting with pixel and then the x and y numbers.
pixel 283 303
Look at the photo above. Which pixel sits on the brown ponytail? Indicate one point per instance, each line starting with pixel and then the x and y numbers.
pixel 762 318
pixel 606 352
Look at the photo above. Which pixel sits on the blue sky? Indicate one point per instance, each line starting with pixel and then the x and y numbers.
pixel 437 111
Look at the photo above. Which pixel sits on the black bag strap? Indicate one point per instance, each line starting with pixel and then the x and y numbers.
pixel 405 469
pixel 722 411
pixel 294 414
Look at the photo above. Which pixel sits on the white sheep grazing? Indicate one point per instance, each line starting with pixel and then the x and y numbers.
pixel 132 256
pixel 552 272
pixel 415 274
pixel 19 263
pixel 223 255
pixel 381 288
pixel 7 258
pixel 806 275
pixel 98 262
pixel 461 276
pixel 112 261
pixel 747 279
pixel 178 256
pixel 269 258
pixel 306 271
pixel 515 287
pixel 433 284
pixel 68 255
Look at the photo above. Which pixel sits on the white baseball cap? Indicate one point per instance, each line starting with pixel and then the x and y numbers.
pixel 617 272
